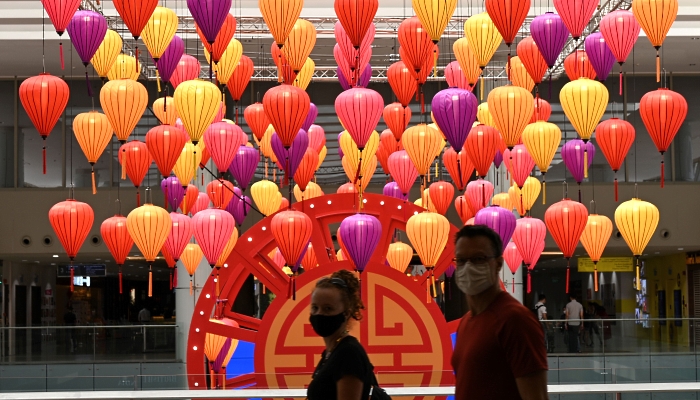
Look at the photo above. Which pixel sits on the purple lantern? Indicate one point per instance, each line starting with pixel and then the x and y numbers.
pixel 294 154
pixel 240 211
pixel 600 55
pixel 209 16
pixel 454 111
pixel 87 30
pixel 360 234
pixel 342 79
pixel 238 194
pixel 573 154
pixel 244 165
pixel 172 191
pixel 340 151
pixel 392 189
pixel 365 76
pixel 498 159
pixel 550 34
pixel 167 63
pixel 450 271
pixel 296 266
pixel 499 219
pixel 310 117
pixel 218 363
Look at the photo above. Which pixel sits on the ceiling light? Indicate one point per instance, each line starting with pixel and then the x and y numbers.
pixel 55 256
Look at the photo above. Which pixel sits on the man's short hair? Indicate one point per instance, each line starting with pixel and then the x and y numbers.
pixel 472 231
pixel 572 296
pixel 542 297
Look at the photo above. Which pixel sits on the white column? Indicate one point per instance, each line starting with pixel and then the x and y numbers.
pixel 184 302
pixel 507 278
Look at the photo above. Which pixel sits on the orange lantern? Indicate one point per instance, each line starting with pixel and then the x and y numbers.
pixel 462 206
pixel 309 261
pixel 280 17
pixel 165 144
pixel 481 145
pixel 191 258
pixel 656 18
pixel 93 132
pixel 300 41
pixel 287 107
pixel 312 190
pixel 164 110
pixel 459 166
pixel 307 168
pixel 397 117
pixel 402 82
pixel 256 119
pixel 519 74
pixel 220 192
pixel 149 226
pixel 502 200
pixel 511 108
pixel 191 196
pixel 594 238
pixel 532 60
pixel 467 60
pixel 399 256
pixel 124 102
pixel 441 195
pixel 422 143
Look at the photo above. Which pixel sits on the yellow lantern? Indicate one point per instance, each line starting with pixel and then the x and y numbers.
pixel 503 200
pixel 164 109
pixel 93 132
pixel 322 156
pixel 229 61
pixel 159 31
pixel 436 127
pixel 467 60
pixel 511 108
pixel 280 16
pixel 421 142
pixel 267 196
pixel 106 54
pixel 197 104
pixel 637 221
pixel 228 248
pixel 399 256
pixel 149 226
pixel 352 152
pixel 266 143
pixel 519 75
pixel 312 190
pixel 584 101
pixel 186 165
pixel 428 233
pixel 305 74
pixel 542 140
pixel 299 43
pixel 483 37
pixel 124 67
pixel 484 115
pixel 369 166
pixel 434 15
pixel 429 203
pixel 191 258
pixel 594 238
pixel 523 199
pixel 123 101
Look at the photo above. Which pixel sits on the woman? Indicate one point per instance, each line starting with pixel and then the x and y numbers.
pixel 344 371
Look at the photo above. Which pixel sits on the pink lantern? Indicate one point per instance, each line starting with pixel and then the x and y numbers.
pixel 223 141
pixel 212 229
pixel 520 164
pixel 202 203
pixel 513 259
pixel 360 110
pixel 478 194
pixel 180 235
pixel 620 30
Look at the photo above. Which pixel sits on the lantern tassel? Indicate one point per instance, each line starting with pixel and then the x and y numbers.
pixel 595 277
pixel 202 178
pixel 124 164
pixel 435 60
pixel 639 283
pixel 120 280
pixel 508 64
pixel 218 288
pixel 550 84
pixel 87 82
pixel 72 274
pixel 513 283
pixel 150 281
pixel 427 291
pixel 279 70
pixel 662 173
pixel 432 279
pixel 620 79
pixel 658 66
pixel 158 82
pixel 579 193
pixel 615 188
pixel 175 278
pixel 223 380
pixel 171 280
pixel 544 190
pixel 529 281
pixel 481 88
pixel 43 155
pixel 94 187
pixel 138 198
pixel 60 51
pixel 568 273
pixel 585 163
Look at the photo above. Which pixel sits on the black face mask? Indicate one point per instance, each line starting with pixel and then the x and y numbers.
pixel 326 325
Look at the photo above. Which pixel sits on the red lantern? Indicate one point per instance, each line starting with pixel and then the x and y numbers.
pixel 212 229
pixel 240 78
pixel 347 188
pixel 402 82
pixel 441 195
pixel 520 163
pixel 44 98
pixel 284 204
pixel 191 195
pixel 478 194
pixel 455 77
pixel 71 220
pixel 284 70
pixel 577 66
pixel 165 143
pixel 135 14
pixel 306 169
pixel 118 241
pixel 481 145
pixel 287 107
pixel 459 166
pixel 220 192
pixel 426 69
pixel 542 110
pixel 512 257
pixel 576 14
pixel 172 264
pixel 387 146
pixel 188 68
pixel 292 231
pixel 397 117
pixel 356 16
pixel 180 235
pixel 663 112
pixel 256 119
pixel 532 59
pixel 508 16
pixel 566 221
pixel 223 38
pixel 415 42
pixel 615 137
pixel 223 140
pixel 359 109
pixel 136 159
pixel 402 170
pixel 462 206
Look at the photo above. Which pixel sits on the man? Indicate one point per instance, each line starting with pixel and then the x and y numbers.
pixel 574 316
pixel 499 351
pixel 144 315
pixel 541 311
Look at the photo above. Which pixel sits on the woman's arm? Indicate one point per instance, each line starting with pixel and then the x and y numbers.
pixel 349 388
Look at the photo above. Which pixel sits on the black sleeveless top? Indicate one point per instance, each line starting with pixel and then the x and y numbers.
pixel 348 358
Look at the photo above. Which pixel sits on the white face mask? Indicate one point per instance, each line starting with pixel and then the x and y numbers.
pixel 473 279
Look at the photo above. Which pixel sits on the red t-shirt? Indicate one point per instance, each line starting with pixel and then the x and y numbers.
pixel 502 343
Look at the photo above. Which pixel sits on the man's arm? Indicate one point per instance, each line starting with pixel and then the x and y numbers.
pixel 533 386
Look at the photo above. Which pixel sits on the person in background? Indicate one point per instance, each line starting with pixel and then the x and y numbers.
pixel 69 319
pixel 574 316
pixel 144 315
pixel 344 371
pixel 541 311
pixel 499 350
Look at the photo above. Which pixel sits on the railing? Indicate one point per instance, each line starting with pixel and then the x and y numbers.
pixel 66 344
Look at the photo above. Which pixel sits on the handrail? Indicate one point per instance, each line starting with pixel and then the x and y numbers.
pixel 301 393
pixel 90 326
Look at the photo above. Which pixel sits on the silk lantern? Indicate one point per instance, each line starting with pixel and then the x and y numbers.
pixel 212 228
pixel 239 209
pixel 170 59
pixel 513 259
pixel 615 137
pixel 434 15
pixel 397 117
pixel 164 110
pixel 306 73
pixel 350 188
pixel 159 31
pixel 550 34
pixel 286 107
pixel 637 221
pixel 312 190
pixel 189 199
pixel 186 165
pixel 542 140
pixel 280 16
pixel 44 98
pixel 511 108
pixel 483 115
pixel 197 104
pixel 523 199
pixel 223 35
pixel 191 257
pixel 209 16
pixel 244 165
pixel 124 102
pixel 599 54
pixel 578 157
pixel 135 14
pixel 309 260
pixel 502 221
pixel 566 221
pixel 620 30
pixel 656 18
pixel 576 14
pixel 356 17
pixel 360 110
pixel 594 239
pixel 165 144
pixel 459 166
pixel 467 61
pixel 529 54
pixel 240 78
pixel 256 119
pixel 425 202
pixel 289 158
pixel 519 75
pixel 87 30
pixel 179 236
pixel 529 234
pixel 173 192
pixel 71 220
pixel 402 82
pixel 483 37
pixel 480 147
pixel 201 204
pixel 125 67
pixel 402 170
pixel 508 16
pixel 187 69
pixel 428 233
pixel 454 111
pixel 265 195
pixel 307 168
pixel 663 112
pixel 118 241
pixel 360 234
pixel 465 213
pixel 291 231
pixel 392 189
pixel 299 43
pixel 93 132
pixel 106 55
pixel 149 226
pixel 223 141
pixel 478 194
pixel 520 163
pixel 441 194
pixel 399 256
pixel 317 137
pixel 229 61
pixel 421 143
pixel 577 66
pixel 502 200
pixel 415 41
pixel 220 192
pixel 60 12
pixel 584 102
pixel 542 111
